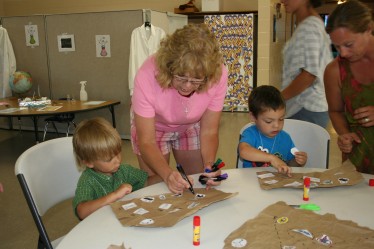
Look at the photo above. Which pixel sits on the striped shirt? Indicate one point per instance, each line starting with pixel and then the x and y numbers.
pixel 93 185
pixel 310 49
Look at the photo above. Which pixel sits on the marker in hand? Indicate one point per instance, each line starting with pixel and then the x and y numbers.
pixel 184 176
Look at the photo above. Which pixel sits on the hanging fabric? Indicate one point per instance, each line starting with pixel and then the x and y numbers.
pixel 145 40
pixel 7 63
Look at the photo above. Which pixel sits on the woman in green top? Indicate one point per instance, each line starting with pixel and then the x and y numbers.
pixel 349 83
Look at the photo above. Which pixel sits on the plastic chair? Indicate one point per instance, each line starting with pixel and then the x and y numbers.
pixel 67 118
pixel 307 137
pixel 48 175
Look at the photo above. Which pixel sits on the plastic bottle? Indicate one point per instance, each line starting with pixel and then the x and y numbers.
pixel 83 93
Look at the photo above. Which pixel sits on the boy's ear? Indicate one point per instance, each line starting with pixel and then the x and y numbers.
pixel 252 117
pixel 88 164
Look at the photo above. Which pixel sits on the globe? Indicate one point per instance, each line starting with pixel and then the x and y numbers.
pixel 20 82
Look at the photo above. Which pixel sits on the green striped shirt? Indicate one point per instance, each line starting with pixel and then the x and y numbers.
pixel 93 185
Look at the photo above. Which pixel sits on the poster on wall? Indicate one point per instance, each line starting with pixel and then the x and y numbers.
pixel 66 43
pixel 103 46
pixel 32 36
pixel 235 35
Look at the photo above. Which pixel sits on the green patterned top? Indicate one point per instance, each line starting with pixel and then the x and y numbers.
pixel 93 185
pixel 357 95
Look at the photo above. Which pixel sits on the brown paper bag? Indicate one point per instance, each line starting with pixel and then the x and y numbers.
pixel 280 226
pixel 165 210
pixel 345 175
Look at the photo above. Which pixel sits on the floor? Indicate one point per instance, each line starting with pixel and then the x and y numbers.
pixel 17 229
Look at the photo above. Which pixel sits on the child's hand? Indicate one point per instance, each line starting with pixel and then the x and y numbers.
pixel 281 166
pixel 123 190
pixel 301 157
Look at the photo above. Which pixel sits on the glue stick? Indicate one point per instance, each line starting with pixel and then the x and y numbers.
pixel 306 188
pixel 196 230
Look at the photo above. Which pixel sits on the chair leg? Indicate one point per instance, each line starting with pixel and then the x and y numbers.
pixel 45 130
pixel 67 130
pixel 54 126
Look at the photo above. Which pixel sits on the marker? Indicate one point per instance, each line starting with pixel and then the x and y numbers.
pixel 184 176
pixel 196 230
pixel 306 188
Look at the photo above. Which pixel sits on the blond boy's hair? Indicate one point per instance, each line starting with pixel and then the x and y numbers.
pixel 95 139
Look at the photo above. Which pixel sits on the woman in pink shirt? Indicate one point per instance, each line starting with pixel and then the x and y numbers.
pixel 177 103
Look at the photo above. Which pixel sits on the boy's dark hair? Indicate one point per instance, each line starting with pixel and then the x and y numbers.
pixel 263 98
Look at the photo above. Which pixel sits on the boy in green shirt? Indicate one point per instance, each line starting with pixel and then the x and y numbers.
pixel 97 148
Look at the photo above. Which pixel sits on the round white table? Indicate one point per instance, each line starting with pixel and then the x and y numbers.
pixel 218 220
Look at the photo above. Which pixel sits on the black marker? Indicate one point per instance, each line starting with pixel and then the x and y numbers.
pixel 184 176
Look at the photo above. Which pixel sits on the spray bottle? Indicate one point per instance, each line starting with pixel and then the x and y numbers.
pixel 83 93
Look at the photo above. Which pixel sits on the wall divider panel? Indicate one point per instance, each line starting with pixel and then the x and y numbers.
pixel 106 77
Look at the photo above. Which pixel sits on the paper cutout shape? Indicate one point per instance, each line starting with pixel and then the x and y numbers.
pixel 303 232
pixel 181 206
pixel 239 243
pixel 341 176
pixel 263 232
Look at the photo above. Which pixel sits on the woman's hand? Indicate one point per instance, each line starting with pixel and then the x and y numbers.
pixel 345 141
pixel 176 183
pixel 364 116
pixel 211 182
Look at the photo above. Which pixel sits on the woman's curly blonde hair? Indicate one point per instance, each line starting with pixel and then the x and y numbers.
pixel 192 50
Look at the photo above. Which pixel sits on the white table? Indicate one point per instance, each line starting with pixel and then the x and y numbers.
pixel 218 220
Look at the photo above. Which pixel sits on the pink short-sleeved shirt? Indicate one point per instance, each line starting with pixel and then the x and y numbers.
pixel 173 112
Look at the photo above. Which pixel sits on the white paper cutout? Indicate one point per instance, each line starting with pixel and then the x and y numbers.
pixel 271 181
pixel 174 210
pixel 343 180
pixel 304 232
pixel 328 182
pixel 199 196
pixel 267 175
pixel 293 184
pixel 141 211
pixel 294 150
pixel 165 206
pixel 32 36
pixel 192 205
pixel 239 243
pixel 103 46
pixel 148 199
pixel 162 197
pixel 147 222
pixel 129 206
pixel 289 247
pixel 324 240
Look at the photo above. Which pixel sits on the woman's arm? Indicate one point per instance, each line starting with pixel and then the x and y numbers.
pixel 298 85
pixel 152 156
pixel 209 136
pixel 334 98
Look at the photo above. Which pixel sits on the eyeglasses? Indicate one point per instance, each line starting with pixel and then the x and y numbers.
pixel 184 80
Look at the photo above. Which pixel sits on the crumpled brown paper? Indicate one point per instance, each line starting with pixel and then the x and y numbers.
pixel 345 175
pixel 278 226
pixel 165 210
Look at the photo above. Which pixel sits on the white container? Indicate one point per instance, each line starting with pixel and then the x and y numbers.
pixel 83 93
pixel 211 5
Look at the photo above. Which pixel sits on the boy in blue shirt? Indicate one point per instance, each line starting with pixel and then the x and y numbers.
pixel 265 143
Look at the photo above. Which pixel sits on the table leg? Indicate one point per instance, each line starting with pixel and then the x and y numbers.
pixel 35 120
pixel 111 109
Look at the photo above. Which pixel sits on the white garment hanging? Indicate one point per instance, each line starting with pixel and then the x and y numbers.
pixel 144 42
pixel 7 63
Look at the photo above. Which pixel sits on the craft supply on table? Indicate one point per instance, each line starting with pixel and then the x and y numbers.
pixel 371 182
pixel 183 174
pixel 196 230
pixel 306 188
pixel 312 207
